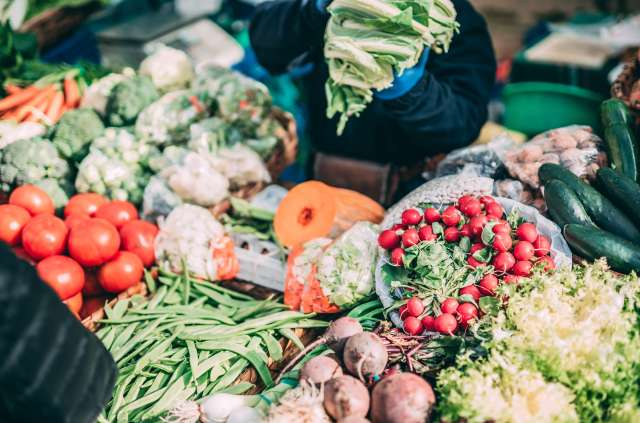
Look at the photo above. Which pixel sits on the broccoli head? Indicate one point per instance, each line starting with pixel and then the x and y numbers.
pixel 75 131
pixel 30 161
pixel 55 191
pixel 128 98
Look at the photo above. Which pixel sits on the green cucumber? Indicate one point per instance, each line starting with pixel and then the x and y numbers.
pixel 600 209
pixel 592 243
pixel 564 205
pixel 621 190
pixel 620 138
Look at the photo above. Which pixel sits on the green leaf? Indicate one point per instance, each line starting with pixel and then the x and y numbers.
pixel 465 244
pixel 490 305
pixel 487 233
pixel 466 298
pixel 484 255
pixel 437 228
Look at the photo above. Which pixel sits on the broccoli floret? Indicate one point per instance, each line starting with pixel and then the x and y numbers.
pixel 30 161
pixel 75 131
pixel 128 98
pixel 55 191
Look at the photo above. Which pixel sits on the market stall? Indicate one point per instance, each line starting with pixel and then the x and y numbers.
pixel 502 289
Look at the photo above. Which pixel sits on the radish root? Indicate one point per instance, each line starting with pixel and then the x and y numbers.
pixel 183 412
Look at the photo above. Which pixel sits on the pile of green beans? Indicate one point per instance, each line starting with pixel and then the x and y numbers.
pixel 190 339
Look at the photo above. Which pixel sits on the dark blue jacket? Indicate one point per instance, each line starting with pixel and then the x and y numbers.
pixel 446 110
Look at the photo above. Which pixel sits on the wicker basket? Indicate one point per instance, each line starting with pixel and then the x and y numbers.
pixel 91 322
pixel 53 25
pixel 627 86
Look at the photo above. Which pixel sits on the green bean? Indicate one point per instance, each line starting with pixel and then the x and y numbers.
pixel 145 401
pixel 118 396
pixel 291 336
pixel 109 338
pixel 158 298
pixel 230 376
pixel 251 356
pixel 151 282
pixel 124 336
pixel 133 392
pixel 173 393
pixel 143 346
pixel 238 389
pixel 160 380
pixel 156 352
pixel 193 359
pixel 118 353
pixel 273 346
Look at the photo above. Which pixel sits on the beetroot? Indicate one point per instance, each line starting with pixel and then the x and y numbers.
pixel 402 398
pixel 320 369
pixel 365 355
pixel 346 396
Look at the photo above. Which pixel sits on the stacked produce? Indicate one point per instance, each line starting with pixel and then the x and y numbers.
pixel 190 339
pixel 107 246
pixel 448 263
pixel 368 42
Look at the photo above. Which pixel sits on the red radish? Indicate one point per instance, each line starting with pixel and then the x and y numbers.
pixel 542 246
pixel 410 238
pixel 411 217
pixel 451 216
pixel 523 251
pixel 467 313
pixel 494 209
pixel 522 268
pixel 488 284
pixel 431 215
pixel 475 263
pixel 396 256
pixel 389 239
pixel 502 242
pixel 445 324
pixel 449 305
pixel 425 233
pixel 465 230
pixel 476 247
pixel 451 234
pixel 477 224
pixel 428 322
pixel 465 199
pixel 527 232
pixel 415 307
pixel 403 311
pixel 398 227
pixel 470 290
pixel 503 262
pixel 471 208
pixel 511 279
pixel 502 228
pixel 487 199
pixel 547 262
pixel 412 325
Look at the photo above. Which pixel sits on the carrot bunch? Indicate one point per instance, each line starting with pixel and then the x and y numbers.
pixel 44 102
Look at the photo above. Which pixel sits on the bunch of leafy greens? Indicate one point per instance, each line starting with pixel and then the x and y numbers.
pixel 574 335
pixel 367 41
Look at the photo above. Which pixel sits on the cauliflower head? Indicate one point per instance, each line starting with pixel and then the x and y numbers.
pixel 169 69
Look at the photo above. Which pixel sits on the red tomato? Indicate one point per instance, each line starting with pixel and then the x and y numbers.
pixel 87 203
pixel 121 273
pixel 33 199
pixel 73 219
pixel 74 303
pixel 45 235
pixel 117 212
pixel 138 237
pixel 63 274
pixel 12 220
pixel 91 286
pixel 93 242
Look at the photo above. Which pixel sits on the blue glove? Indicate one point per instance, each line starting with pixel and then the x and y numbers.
pixel 404 83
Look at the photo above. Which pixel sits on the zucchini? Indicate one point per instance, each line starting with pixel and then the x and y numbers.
pixel 621 190
pixel 620 138
pixel 564 205
pixel 600 209
pixel 592 243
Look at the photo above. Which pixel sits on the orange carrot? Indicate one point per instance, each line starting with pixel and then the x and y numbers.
pixel 36 101
pixel 12 89
pixel 54 111
pixel 17 99
pixel 71 93
pixel 37 112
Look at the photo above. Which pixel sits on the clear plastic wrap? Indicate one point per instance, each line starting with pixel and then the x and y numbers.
pixel 477 160
pixel 560 251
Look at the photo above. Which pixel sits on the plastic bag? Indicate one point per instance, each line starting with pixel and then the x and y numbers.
pixel 477 160
pixel 560 251
pixel 575 147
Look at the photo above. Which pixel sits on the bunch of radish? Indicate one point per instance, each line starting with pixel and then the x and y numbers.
pixel 100 248
pixel 507 252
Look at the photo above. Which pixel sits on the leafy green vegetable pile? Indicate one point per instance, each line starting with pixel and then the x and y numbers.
pixel 191 339
pixel 366 41
pixel 565 349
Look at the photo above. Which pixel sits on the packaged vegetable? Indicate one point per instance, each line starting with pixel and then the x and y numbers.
pixel 241 166
pixel 169 69
pixel 191 235
pixel 128 98
pixel 96 96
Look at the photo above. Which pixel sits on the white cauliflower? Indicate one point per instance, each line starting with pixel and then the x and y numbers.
pixel 169 69
pixel 188 235
pixel 96 96
pixel 11 131
pixel 241 165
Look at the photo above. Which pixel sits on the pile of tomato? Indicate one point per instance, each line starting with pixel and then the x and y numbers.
pixel 100 248
pixel 507 252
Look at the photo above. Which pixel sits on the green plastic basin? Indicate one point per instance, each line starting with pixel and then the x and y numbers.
pixel 535 107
